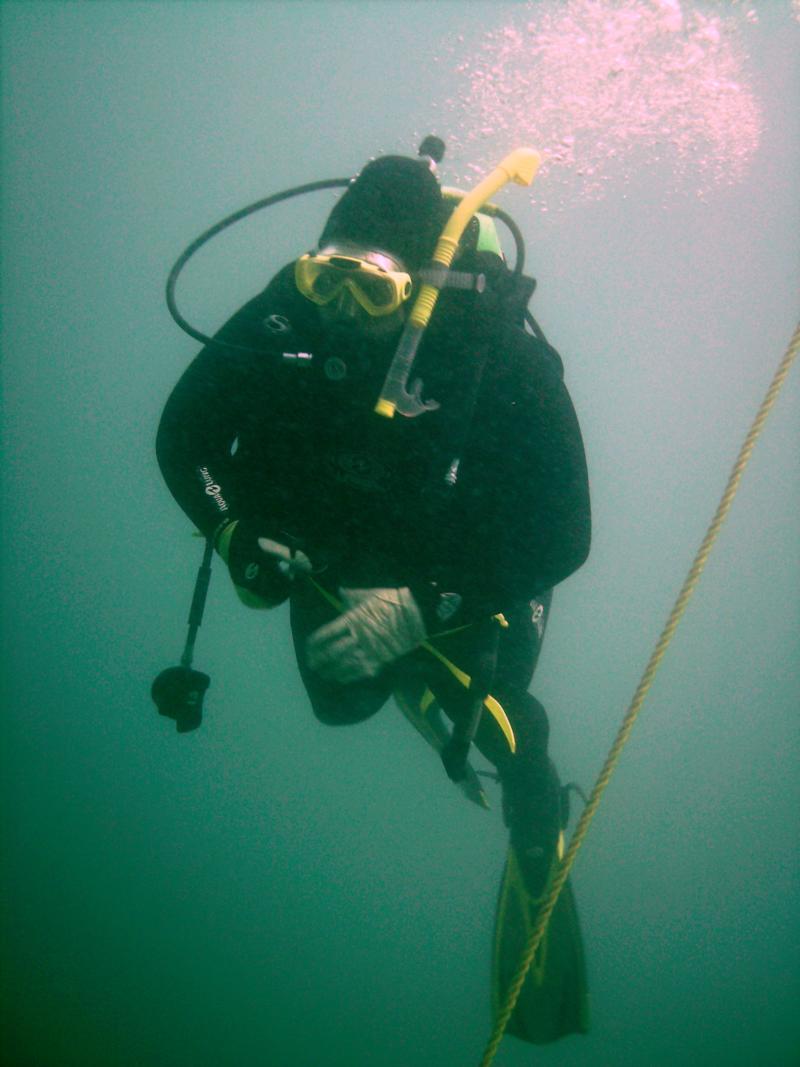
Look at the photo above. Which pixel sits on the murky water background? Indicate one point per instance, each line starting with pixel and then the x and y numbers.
pixel 269 891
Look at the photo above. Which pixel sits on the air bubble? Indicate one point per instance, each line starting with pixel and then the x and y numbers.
pixel 605 87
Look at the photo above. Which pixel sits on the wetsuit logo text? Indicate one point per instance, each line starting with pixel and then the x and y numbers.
pixel 212 489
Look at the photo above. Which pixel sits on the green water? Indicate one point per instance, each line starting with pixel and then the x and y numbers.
pixel 267 891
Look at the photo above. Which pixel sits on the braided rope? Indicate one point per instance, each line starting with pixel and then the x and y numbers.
pixel 561 872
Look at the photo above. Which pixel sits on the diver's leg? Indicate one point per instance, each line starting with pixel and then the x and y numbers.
pixel 531 793
pixel 531 790
pixel 333 704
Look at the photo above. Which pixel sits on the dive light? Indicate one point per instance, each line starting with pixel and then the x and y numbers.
pixel 178 691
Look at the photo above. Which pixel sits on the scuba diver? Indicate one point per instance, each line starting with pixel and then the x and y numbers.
pixel 418 553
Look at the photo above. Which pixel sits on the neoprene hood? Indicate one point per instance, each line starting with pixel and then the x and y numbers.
pixel 395 204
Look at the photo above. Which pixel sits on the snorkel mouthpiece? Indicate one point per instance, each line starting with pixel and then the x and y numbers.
pixel 394 394
pixel 520 166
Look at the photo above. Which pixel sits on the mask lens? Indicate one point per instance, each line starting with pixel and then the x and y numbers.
pixel 378 291
pixel 328 283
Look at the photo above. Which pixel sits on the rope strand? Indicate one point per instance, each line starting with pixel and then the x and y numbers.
pixel 562 871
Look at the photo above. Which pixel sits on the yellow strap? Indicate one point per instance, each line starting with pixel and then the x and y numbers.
pixel 561 872
pixel 492 706
pixel 427 699
pixel 416 715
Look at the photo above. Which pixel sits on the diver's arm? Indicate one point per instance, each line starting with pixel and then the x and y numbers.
pixel 193 445
pixel 522 520
pixel 226 393
pixel 201 422
pixel 549 529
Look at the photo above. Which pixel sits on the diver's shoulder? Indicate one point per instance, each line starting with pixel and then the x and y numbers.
pixel 530 356
pixel 277 317
pixel 281 297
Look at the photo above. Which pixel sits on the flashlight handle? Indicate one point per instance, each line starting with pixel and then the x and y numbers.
pixel 198 603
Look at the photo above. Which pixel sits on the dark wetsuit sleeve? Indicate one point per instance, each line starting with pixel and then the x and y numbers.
pixel 523 505
pixel 202 419
pixel 547 512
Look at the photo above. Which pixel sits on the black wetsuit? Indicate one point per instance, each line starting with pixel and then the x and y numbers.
pixel 486 497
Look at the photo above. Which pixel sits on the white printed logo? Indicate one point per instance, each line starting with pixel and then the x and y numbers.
pixel 212 489
pixel 277 324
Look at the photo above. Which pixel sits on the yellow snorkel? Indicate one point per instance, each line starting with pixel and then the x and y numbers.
pixel 519 166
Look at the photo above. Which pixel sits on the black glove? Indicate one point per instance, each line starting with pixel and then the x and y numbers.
pixel 262 570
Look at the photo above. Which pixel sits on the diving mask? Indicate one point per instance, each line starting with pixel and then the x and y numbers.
pixel 370 276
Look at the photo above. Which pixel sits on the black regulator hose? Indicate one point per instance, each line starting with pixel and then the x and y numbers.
pixel 229 220
pixel 277 198
pixel 516 233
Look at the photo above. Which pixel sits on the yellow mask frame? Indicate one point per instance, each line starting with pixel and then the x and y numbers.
pixel 373 282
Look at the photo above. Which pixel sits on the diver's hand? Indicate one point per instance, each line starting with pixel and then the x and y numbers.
pixel 262 569
pixel 380 626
